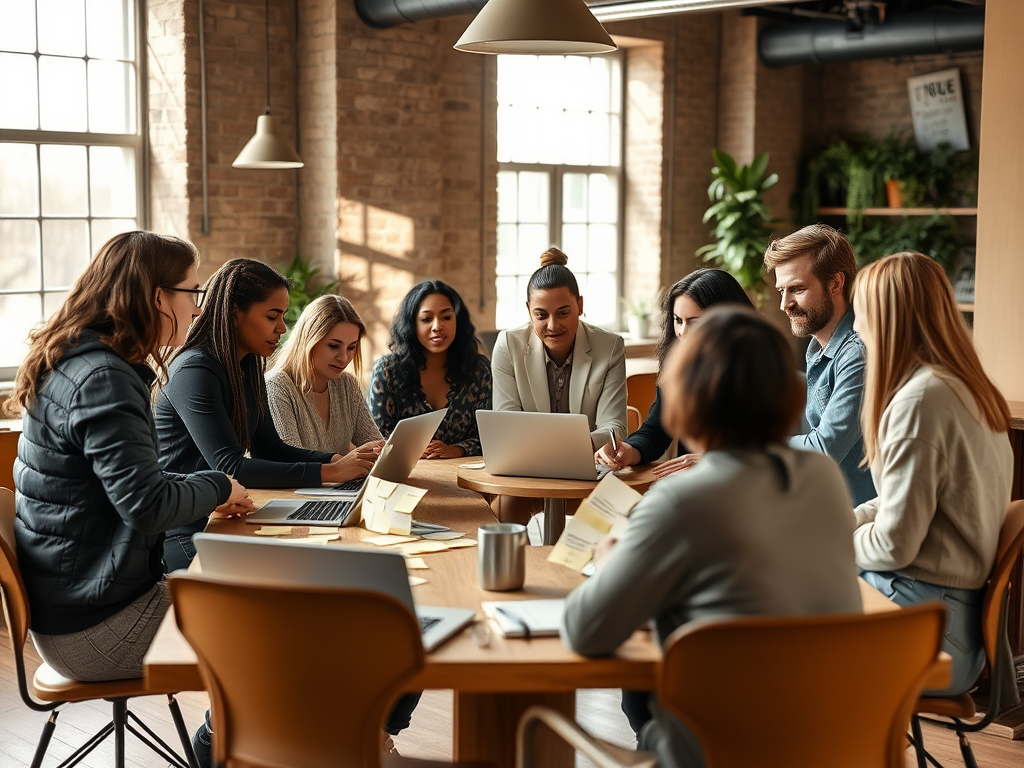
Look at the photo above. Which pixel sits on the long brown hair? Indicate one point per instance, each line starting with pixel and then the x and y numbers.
pixel 908 318
pixel 234 288
pixel 315 322
pixel 116 294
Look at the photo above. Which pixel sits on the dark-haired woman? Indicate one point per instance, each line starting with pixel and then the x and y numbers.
pixel 683 306
pixel 93 503
pixel 756 528
pixel 557 363
pixel 214 410
pixel 434 363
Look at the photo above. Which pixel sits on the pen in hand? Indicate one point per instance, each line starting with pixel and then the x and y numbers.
pixel 615 443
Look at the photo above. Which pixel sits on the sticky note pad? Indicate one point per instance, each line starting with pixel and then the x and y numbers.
pixel 277 530
pixel 458 543
pixel 415 581
pixel 387 540
pixel 416 564
pixel 423 547
pixel 409 501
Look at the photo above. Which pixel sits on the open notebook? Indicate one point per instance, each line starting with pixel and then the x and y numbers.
pixel 526 618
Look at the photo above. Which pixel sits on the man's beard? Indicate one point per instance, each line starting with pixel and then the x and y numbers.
pixel 808 323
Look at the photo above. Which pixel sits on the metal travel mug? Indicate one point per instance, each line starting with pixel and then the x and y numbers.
pixel 501 563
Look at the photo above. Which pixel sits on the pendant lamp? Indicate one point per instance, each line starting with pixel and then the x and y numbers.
pixel 547 27
pixel 268 148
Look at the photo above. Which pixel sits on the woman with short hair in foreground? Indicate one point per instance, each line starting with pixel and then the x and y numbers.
pixel 935 436
pixel 755 528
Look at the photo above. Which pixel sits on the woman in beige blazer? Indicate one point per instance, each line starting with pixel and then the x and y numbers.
pixel 559 364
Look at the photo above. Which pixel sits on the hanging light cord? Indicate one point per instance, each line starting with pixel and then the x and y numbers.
pixel 266 7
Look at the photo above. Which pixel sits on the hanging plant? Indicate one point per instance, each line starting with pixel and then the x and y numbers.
pixel 741 219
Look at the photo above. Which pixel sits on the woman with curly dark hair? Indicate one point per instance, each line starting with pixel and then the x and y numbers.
pixel 434 363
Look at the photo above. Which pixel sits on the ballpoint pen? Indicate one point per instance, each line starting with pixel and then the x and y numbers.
pixel 615 443
pixel 516 620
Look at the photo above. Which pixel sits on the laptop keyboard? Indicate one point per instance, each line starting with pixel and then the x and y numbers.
pixel 350 485
pixel 426 622
pixel 322 510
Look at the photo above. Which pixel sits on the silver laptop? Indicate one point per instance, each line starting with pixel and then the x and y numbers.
pixel 279 562
pixel 523 444
pixel 397 458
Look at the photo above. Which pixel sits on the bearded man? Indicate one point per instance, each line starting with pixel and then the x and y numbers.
pixel 814 270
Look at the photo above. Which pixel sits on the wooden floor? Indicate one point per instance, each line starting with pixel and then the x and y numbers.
pixel 429 736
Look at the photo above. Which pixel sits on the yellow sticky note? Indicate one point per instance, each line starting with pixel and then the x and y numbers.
pixel 315 539
pixel 408 502
pixel 323 532
pixel 415 581
pixel 277 530
pixel 387 540
pixel 458 543
pixel 423 547
pixel 416 564
pixel 385 488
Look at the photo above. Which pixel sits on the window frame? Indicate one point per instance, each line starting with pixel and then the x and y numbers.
pixel 138 141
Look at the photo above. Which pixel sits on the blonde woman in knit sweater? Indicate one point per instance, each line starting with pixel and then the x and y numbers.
pixel 316 403
pixel 935 437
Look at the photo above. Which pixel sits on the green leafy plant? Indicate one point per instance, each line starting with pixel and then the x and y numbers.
pixel 741 219
pixel 305 288
pixel 937 236
pixel 642 307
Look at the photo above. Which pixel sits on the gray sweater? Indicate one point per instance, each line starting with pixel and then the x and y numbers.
pixel 943 478
pixel 741 533
pixel 298 423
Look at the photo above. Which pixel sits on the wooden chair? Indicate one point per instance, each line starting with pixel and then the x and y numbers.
pixel 633 420
pixel 298 675
pixel 640 391
pixel 852 680
pixel 8 453
pixel 994 612
pixel 49 691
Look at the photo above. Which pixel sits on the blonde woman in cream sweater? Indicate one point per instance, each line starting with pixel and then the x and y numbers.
pixel 935 436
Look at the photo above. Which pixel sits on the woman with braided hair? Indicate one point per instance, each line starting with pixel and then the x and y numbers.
pixel 213 412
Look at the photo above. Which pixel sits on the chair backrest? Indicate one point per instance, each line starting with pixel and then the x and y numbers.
pixel 13 595
pixel 1011 540
pixel 787 692
pixel 8 453
pixel 302 676
pixel 633 419
pixel 640 390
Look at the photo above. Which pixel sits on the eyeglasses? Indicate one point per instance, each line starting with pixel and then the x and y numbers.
pixel 198 294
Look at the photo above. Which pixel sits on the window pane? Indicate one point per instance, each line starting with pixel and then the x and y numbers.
pixel 20 313
pixel 18 25
pixel 19 267
pixel 112 181
pixel 61 94
pixel 104 229
pixel 18 92
pixel 599 87
pixel 577 138
pixel 52 302
pixel 65 251
pixel 508 194
pixel 19 180
pixel 64 180
pixel 574 244
pixel 552 129
pixel 507 313
pixel 600 298
pixel 111 97
pixel 604 197
pixel 508 249
pixel 66 38
pixel 525 134
pixel 600 139
pixel 534 196
pixel 108 27
pixel 516 77
pixel 603 248
pixel 574 197
pixel 533 241
pixel 547 87
pixel 576 85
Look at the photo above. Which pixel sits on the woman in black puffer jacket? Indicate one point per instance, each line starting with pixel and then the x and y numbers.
pixel 92 503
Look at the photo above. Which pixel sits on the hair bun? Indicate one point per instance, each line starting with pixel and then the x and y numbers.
pixel 553 256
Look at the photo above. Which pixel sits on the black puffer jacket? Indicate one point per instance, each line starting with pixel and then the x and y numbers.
pixel 92 502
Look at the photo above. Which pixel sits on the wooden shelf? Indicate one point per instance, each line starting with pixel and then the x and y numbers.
pixel 965 307
pixel 902 211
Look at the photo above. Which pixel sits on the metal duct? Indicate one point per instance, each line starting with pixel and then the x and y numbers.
pixel 921 32
pixel 388 13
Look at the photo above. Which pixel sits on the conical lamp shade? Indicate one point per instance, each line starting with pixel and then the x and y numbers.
pixel 535 26
pixel 267 148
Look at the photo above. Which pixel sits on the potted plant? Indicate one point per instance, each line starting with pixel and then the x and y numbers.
pixel 638 317
pixel 741 219
pixel 896 161
pixel 305 278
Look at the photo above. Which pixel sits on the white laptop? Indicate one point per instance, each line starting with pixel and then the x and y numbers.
pixel 523 444
pixel 396 461
pixel 279 562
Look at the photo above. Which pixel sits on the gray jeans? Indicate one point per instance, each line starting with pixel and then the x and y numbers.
pixel 112 649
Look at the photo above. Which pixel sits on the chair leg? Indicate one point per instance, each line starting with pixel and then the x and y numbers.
pixel 965 750
pixel 44 739
pixel 120 720
pixel 915 728
pixel 183 734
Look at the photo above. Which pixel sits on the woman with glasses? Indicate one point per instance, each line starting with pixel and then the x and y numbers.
pixel 213 412
pixel 93 503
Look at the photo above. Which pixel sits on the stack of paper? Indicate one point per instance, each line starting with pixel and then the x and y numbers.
pixel 387 506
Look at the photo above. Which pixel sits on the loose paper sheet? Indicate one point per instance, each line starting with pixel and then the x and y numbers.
pixel 605 512
pixel 388 507
pixel 416 564
pixel 415 581
pixel 387 540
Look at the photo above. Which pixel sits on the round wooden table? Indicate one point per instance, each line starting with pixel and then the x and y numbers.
pixel 553 491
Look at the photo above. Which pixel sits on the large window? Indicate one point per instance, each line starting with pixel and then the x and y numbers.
pixel 70 150
pixel 559 177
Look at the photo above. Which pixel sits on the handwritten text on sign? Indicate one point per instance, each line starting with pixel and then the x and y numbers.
pixel 937 105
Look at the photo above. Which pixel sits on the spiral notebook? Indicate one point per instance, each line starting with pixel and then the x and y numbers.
pixel 526 618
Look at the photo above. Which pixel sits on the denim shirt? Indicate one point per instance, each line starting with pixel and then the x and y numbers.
pixel 835 384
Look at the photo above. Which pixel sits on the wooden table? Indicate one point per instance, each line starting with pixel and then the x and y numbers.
pixel 492 685
pixel 553 491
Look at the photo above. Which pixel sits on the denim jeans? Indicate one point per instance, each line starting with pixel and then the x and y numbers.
pixel 179 550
